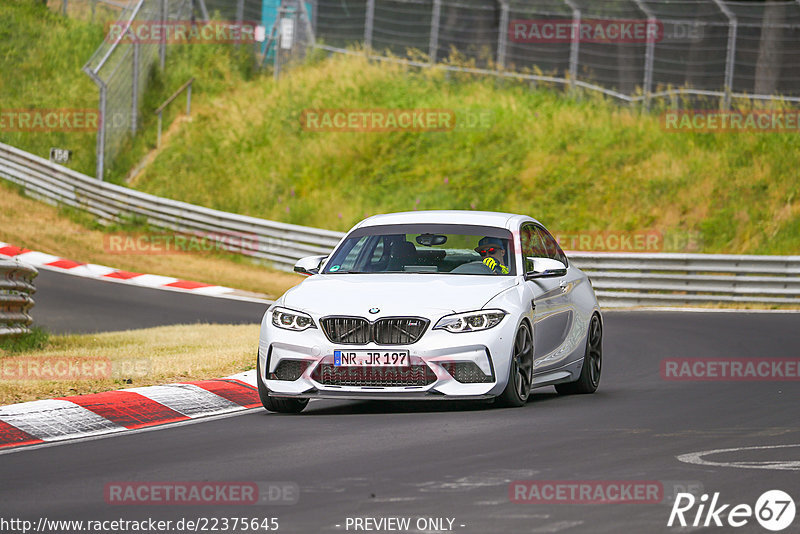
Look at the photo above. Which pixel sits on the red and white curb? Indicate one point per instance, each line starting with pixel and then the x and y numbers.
pixel 102 272
pixel 53 420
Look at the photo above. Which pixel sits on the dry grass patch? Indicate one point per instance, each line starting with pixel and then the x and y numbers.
pixel 92 363
pixel 32 224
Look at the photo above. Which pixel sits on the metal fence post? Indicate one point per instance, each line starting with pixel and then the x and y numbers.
pixel 101 132
pixel 189 97
pixel 101 135
pixel 369 21
pixel 203 10
pixel 276 70
pixel 158 137
pixel 113 105
pixel 649 54
pixel 134 86
pixel 64 7
pixel 162 46
pixel 168 101
pixel 731 49
pixel 502 37
pixel 433 46
pixel 307 23
pixel 240 17
pixel 575 43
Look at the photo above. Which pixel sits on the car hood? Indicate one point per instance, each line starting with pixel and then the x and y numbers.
pixel 425 295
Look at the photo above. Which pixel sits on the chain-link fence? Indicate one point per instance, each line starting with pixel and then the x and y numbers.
pixel 634 50
pixel 121 66
pixel 139 39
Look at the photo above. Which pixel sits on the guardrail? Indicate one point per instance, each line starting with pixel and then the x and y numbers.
pixel 16 288
pixel 621 279
pixel 624 279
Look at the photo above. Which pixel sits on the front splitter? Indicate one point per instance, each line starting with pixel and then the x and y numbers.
pixel 377 395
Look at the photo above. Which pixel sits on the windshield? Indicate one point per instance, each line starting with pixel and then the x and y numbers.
pixel 425 249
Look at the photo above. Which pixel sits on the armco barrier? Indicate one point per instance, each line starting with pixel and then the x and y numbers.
pixel 623 279
pixel 279 243
pixel 620 279
pixel 16 288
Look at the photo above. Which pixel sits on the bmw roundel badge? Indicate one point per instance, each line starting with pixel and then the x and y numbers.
pixel 374 310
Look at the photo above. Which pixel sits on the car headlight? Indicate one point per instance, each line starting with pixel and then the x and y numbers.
pixel 470 321
pixel 291 320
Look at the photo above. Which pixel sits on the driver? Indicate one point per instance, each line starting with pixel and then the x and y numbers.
pixel 492 251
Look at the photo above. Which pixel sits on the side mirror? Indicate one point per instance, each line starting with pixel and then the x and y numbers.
pixel 309 265
pixel 544 268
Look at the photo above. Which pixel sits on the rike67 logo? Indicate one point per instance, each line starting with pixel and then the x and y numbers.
pixel 774 510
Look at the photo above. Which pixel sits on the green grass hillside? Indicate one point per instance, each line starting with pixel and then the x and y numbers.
pixel 575 164
pixel 578 164
pixel 41 55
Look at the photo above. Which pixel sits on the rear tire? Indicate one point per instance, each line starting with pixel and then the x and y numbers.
pixel 589 378
pixel 520 373
pixel 276 404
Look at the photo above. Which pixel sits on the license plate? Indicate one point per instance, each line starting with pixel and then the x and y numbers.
pixel 371 358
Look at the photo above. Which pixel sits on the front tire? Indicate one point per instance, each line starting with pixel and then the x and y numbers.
pixel 589 378
pixel 276 404
pixel 520 373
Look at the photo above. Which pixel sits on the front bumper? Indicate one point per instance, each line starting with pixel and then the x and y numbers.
pixel 433 355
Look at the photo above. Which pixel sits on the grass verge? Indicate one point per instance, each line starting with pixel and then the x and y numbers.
pixel 36 339
pixel 115 360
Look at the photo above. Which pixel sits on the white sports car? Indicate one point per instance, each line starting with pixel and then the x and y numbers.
pixel 433 305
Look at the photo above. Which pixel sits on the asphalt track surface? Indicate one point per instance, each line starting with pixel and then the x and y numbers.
pixel 69 303
pixel 360 459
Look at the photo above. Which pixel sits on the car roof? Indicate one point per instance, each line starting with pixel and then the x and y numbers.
pixel 480 218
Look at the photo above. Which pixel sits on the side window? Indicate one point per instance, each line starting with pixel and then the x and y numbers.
pixel 532 246
pixel 552 250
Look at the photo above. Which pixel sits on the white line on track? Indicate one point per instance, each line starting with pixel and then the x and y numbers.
pixel 557 527
pixel 697 458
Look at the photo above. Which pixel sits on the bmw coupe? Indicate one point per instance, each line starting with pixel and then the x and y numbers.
pixel 433 305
